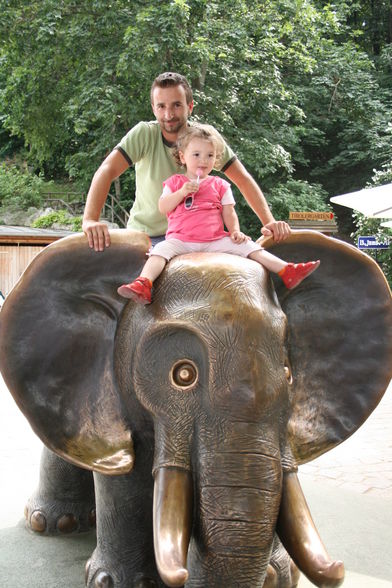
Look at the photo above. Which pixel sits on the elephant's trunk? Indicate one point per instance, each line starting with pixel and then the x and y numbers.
pixel 238 484
pixel 172 523
pixel 238 497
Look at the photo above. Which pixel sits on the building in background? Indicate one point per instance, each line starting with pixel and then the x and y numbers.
pixel 18 247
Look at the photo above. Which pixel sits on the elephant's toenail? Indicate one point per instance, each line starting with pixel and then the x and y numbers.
pixel 67 523
pixel 295 573
pixel 103 580
pixel 92 518
pixel 26 512
pixel 38 521
pixel 87 571
pixel 144 582
pixel 271 579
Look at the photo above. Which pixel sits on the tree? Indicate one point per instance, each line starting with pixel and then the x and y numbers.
pixel 59 66
pixel 295 86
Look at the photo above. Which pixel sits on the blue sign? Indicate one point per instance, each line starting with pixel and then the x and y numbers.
pixel 371 242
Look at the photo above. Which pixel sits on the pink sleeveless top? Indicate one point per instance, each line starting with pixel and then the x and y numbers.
pixel 203 221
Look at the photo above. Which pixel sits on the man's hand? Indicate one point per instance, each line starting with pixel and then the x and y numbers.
pixel 279 230
pixel 238 237
pixel 97 234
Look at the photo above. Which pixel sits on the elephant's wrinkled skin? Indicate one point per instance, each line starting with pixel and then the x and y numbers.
pixel 219 389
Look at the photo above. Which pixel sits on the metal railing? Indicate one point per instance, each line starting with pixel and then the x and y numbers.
pixel 73 208
pixel 66 196
pixel 74 202
pixel 110 211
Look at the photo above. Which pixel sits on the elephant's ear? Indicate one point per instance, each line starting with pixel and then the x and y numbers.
pixel 339 341
pixel 57 328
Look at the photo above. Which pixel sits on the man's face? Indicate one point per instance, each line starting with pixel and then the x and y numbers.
pixel 171 110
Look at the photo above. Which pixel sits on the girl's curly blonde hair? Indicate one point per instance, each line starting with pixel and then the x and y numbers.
pixel 198 131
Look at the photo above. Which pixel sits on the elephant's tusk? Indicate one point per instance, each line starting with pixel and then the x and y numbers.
pixel 300 537
pixel 172 523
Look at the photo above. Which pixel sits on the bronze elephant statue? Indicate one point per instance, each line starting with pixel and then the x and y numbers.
pixel 193 412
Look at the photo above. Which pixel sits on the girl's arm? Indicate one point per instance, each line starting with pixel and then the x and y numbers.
pixel 238 174
pixel 168 202
pixel 232 223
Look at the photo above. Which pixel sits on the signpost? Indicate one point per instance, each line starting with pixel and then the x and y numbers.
pixel 295 215
pixel 371 242
pixel 318 220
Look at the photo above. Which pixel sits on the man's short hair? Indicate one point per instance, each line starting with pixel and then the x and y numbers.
pixel 169 79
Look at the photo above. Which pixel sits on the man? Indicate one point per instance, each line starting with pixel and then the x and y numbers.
pixel 148 147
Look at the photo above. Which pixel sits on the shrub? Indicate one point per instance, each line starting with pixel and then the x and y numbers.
pixel 20 188
pixel 59 217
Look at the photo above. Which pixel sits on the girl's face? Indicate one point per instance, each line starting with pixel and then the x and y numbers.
pixel 199 158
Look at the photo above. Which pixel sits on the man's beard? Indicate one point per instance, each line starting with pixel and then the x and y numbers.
pixel 173 126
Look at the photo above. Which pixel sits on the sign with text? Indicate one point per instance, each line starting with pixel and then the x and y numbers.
pixel 310 215
pixel 371 242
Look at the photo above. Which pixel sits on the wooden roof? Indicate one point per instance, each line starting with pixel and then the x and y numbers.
pixel 324 226
pixel 28 235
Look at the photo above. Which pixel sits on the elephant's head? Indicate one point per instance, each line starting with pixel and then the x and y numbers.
pixel 241 379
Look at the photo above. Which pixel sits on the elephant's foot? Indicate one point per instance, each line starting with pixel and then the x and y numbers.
pixel 124 555
pixel 49 517
pixel 114 575
pixel 64 501
pixel 274 580
pixel 282 571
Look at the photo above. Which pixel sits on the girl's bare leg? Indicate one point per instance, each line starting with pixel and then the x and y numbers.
pixel 140 289
pixel 269 261
pixel 153 267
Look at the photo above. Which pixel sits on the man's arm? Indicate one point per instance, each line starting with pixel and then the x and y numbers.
pixel 97 232
pixel 239 175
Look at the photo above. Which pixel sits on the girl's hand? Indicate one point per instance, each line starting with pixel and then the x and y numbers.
pixel 189 188
pixel 238 237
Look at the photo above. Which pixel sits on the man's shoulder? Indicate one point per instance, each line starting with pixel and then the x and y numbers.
pixel 145 127
pixel 140 139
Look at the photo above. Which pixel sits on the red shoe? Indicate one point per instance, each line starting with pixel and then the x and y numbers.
pixel 294 273
pixel 138 291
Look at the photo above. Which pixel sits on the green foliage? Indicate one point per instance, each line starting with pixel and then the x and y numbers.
pixel 301 89
pixel 58 60
pixel 19 188
pixel 8 145
pixel 348 131
pixel 370 22
pixel 294 195
pixel 236 72
pixel 297 195
pixel 59 217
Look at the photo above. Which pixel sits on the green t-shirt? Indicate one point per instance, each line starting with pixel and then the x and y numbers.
pixel 145 147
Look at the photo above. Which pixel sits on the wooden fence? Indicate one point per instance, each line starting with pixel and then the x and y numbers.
pixel 13 261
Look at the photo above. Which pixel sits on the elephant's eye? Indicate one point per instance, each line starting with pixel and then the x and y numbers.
pixel 184 374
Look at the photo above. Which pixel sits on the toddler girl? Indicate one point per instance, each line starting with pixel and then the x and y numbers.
pixel 198 207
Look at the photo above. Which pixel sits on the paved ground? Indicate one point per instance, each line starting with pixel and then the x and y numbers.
pixel 364 462
pixel 349 491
